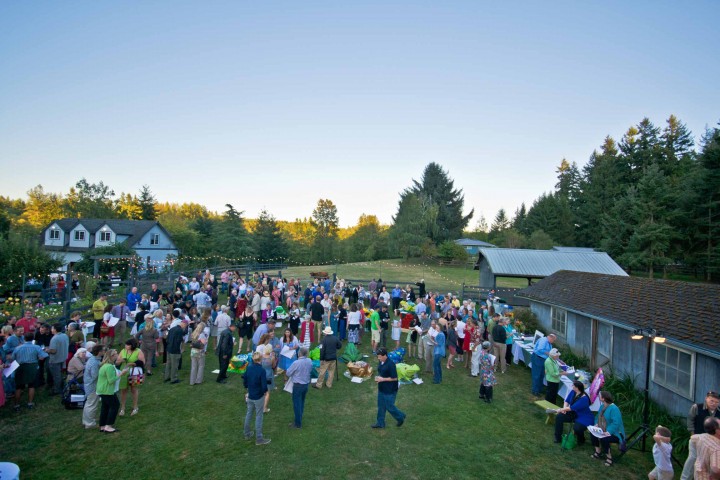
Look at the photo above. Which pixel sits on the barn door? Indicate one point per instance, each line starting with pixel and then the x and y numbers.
pixel 603 344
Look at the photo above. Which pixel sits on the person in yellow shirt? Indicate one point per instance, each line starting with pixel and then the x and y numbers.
pixel 98 309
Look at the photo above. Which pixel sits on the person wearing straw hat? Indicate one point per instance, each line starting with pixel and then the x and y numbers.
pixel 328 357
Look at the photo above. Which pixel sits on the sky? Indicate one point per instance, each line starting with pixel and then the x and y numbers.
pixel 276 105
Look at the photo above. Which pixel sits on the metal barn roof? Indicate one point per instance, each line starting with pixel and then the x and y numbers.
pixel 471 242
pixel 515 262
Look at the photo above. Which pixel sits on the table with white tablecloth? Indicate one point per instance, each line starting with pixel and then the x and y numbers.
pixel 523 352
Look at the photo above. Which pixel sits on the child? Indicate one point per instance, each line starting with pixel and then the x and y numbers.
pixel 662 454
pixel 396 331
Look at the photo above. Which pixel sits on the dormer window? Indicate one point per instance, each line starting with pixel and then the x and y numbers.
pixel 105 236
pixel 54 234
pixel 79 235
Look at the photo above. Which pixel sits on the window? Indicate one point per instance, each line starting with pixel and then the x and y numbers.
pixel 155 239
pixel 559 321
pixel 105 236
pixel 79 235
pixel 673 369
pixel 54 234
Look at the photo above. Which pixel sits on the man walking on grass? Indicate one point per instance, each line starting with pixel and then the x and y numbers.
pixel 387 381
pixel 255 381
pixel 299 375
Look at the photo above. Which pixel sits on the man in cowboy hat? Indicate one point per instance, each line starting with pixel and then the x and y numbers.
pixel 328 357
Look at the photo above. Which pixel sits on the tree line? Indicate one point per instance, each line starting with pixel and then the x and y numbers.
pixel 650 200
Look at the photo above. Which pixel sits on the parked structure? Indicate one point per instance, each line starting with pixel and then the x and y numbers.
pixel 596 314
pixel 537 264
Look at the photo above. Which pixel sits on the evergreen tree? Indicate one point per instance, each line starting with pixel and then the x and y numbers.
pixel 147 204
pixel 411 224
pixel 604 181
pixel 518 222
pixel 650 213
pixel 500 223
pixel 568 185
pixel 551 213
pixel 325 221
pixel 270 245
pixel 437 188
pixel 230 238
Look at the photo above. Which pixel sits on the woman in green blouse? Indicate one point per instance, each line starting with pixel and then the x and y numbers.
pixel 107 385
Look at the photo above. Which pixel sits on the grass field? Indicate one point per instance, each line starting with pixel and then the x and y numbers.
pixel 196 432
pixel 437 278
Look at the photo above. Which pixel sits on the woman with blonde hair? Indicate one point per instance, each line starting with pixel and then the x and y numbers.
pixel 198 340
pixel 108 375
pixel 148 337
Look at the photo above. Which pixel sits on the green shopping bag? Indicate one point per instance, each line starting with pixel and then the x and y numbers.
pixel 569 441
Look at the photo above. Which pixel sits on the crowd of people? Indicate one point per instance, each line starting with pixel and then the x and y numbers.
pixel 142 331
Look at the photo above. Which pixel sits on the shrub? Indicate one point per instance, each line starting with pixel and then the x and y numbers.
pixel 528 318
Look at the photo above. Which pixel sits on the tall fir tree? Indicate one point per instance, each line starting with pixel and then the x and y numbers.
pixel 270 245
pixel 325 221
pixel 437 188
pixel 147 204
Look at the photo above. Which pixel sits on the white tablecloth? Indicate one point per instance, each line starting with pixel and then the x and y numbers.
pixel 518 350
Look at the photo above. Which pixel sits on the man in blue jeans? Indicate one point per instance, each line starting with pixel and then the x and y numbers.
pixel 387 381
pixel 299 375
pixel 540 354
pixel 256 383
pixel 438 354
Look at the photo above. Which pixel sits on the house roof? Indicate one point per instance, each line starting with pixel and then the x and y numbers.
pixel 515 262
pixel 469 242
pixel 684 312
pixel 134 229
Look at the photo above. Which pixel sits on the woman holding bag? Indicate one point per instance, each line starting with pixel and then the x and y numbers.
pixel 198 339
pixel 132 359
pixel 609 419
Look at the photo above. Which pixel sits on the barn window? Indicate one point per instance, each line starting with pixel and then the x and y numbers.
pixel 559 321
pixel 674 369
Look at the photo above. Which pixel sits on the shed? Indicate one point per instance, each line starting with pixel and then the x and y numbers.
pixel 472 246
pixel 537 264
pixel 595 315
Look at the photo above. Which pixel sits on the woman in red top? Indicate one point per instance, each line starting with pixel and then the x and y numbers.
pixel 469 335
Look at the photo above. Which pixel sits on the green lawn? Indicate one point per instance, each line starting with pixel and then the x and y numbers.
pixel 196 432
pixel 437 278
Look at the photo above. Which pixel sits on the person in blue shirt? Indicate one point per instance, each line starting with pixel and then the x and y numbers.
pixel 28 356
pixel 396 296
pixel 576 410
pixel 438 353
pixel 540 354
pixel 133 298
pixel 255 381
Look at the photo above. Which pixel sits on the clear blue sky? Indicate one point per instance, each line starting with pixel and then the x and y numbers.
pixel 278 104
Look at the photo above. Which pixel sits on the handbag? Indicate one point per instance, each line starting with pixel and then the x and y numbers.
pixel 569 441
pixel 136 377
